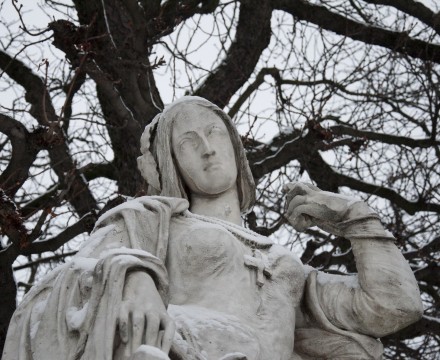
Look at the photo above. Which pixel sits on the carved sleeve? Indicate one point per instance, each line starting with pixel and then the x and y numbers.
pixel 383 298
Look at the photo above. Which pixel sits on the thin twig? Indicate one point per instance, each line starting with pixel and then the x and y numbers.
pixel 44 259
pixel 23 25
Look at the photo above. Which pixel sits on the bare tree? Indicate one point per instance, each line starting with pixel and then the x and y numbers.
pixel 345 94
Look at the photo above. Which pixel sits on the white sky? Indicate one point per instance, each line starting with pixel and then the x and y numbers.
pixel 37 19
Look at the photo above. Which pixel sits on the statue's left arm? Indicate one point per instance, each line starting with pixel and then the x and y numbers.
pixel 386 297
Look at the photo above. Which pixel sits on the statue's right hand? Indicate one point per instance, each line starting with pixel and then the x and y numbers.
pixel 143 319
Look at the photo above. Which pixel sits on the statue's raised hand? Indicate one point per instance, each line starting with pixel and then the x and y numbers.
pixel 307 206
pixel 143 319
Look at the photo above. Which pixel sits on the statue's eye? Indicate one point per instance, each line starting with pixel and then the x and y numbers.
pixel 187 142
pixel 215 130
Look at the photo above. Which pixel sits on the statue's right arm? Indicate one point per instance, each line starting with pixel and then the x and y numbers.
pixel 384 297
pixel 143 319
pixel 142 315
pixel 381 299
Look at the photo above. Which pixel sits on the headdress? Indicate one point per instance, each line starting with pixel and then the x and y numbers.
pixel 157 160
pixel 146 162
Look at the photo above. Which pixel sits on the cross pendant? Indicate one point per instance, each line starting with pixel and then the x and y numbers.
pixel 258 261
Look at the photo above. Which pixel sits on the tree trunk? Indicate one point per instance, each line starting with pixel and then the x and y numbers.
pixel 7 300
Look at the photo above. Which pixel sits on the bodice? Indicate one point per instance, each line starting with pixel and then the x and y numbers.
pixel 227 275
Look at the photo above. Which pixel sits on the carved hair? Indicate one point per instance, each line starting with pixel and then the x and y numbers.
pixel 157 163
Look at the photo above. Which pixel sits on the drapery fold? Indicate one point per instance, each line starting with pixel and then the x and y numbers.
pixel 72 313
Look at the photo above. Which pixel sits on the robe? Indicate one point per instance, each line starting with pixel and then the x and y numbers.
pixel 72 312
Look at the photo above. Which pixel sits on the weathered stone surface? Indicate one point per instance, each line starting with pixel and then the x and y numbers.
pixel 177 275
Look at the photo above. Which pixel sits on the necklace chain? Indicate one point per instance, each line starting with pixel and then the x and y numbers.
pixel 255 240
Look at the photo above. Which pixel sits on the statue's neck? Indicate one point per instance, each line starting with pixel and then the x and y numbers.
pixel 225 206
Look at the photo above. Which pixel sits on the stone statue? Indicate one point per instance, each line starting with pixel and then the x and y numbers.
pixel 175 275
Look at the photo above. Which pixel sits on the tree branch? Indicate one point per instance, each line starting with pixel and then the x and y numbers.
pixel 386 193
pixel 252 37
pixel 413 8
pixel 426 325
pixel 125 85
pixel 24 153
pixel 162 20
pixel 274 72
pixel 49 199
pixel 93 171
pixel 43 201
pixel 433 247
pixel 429 274
pixel 44 260
pixel 85 224
pixel 384 138
pixel 70 90
pixel 36 91
pixel 78 194
pixel 304 149
pixel 339 24
pixel 11 225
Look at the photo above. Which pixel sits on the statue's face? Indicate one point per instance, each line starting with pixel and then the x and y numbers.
pixel 204 152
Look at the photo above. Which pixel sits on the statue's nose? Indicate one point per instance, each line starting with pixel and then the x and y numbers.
pixel 208 150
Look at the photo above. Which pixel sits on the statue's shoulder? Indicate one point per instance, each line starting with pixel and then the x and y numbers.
pixel 145 205
pixel 134 224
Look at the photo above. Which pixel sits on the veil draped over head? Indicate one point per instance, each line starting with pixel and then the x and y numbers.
pixel 157 163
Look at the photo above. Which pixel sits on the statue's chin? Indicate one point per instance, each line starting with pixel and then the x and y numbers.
pixel 215 189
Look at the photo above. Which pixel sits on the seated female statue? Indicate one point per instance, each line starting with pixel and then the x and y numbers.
pixel 175 273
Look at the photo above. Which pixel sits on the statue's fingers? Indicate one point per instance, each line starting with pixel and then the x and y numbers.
pixel 316 211
pixel 301 222
pixel 168 334
pixel 311 209
pixel 294 187
pixel 139 354
pixel 312 187
pixel 159 339
pixel 145 352
pixel 123 323
pixel 153 327
pixel 297 189
pixel 294 203
pixel 287 187
pixel 138 329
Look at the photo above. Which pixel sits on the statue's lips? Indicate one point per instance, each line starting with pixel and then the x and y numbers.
pixel 212 166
